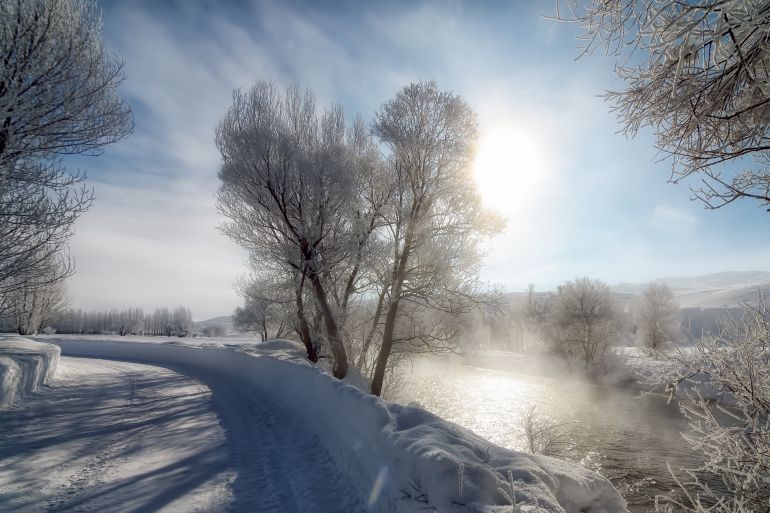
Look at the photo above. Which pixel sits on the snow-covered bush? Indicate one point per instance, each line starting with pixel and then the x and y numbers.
pixel 731 428
pixel 550 438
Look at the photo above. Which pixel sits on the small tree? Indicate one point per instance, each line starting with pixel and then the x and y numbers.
pixel 288 179
pixel 581 320
pixel 269 307
pixel 697 74
pixel 657 317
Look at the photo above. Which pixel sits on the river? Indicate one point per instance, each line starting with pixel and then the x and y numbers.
pixel 627 438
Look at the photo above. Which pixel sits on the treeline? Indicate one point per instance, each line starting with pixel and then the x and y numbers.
pixel 133 321
pixel 580 321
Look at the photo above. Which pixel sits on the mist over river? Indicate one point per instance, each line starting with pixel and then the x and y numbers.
pixel 612 430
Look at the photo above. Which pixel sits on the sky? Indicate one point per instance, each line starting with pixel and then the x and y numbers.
pixel 580 199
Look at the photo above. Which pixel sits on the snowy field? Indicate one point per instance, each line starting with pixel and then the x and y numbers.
pixel 293 440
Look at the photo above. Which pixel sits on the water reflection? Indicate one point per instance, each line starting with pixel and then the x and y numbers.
pixel 626 438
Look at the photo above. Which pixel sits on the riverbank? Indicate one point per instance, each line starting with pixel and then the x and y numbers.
pixel 626 437
pixel 393 457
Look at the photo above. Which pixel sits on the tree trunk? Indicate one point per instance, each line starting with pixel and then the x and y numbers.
pixel 373 329
pixel 304 329
pixel 385 348
pixel 399 273
pixel 340 367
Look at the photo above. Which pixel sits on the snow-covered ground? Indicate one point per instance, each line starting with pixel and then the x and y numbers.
pixel 110 436
pixel 210 342
pixel 298 440
pixel 25 365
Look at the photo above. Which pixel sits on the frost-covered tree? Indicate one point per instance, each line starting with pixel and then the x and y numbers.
pixel 58 96
pixel 35 302
pixel 697 74
pixel 58 83
pixel 269 307
pixel 289 180
pixel 657 317
pixel 37 213
pixel 581 320
pixel 182 324
pixel 435 221
pixel 128 322
pixel 732 429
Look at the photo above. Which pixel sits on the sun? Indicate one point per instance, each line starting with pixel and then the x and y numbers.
pixel 510 167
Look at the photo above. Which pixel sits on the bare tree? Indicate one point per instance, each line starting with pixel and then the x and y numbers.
pixel 581 320
pixel 288 179
pixel 435 220
pixel 58 96
pixel 657 317
pixel 702 84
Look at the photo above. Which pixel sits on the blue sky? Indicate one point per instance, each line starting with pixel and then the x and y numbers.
pixel 581 199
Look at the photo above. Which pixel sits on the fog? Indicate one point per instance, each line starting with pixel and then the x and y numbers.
pixel 626 437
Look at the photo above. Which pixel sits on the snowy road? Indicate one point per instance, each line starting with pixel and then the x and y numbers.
pixel 112 436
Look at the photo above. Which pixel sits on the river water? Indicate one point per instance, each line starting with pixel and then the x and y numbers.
pixel 627 438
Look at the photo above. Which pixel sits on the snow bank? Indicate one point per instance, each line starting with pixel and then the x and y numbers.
pixel 24 366
pixel 398 458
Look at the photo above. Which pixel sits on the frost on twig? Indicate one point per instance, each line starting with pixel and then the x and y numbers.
pixel 726 380
pixel 696 74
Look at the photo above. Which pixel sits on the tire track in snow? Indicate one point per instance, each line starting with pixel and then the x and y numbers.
pixel 102 450
pixel 281 464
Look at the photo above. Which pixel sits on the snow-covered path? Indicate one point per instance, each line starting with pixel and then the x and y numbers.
pixel 114 436
pixel 126 437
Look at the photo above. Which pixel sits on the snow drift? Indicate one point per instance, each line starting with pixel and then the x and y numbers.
pixel 398 458
pixel 24 366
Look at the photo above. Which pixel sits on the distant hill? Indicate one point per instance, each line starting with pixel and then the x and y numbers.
pixel 222 324
pixel 718 290
pixel 217 321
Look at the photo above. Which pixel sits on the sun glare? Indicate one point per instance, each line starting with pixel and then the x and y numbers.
pixel 510 167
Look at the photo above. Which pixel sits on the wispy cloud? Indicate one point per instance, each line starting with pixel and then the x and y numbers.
pixel 673 219
pixel 151 238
